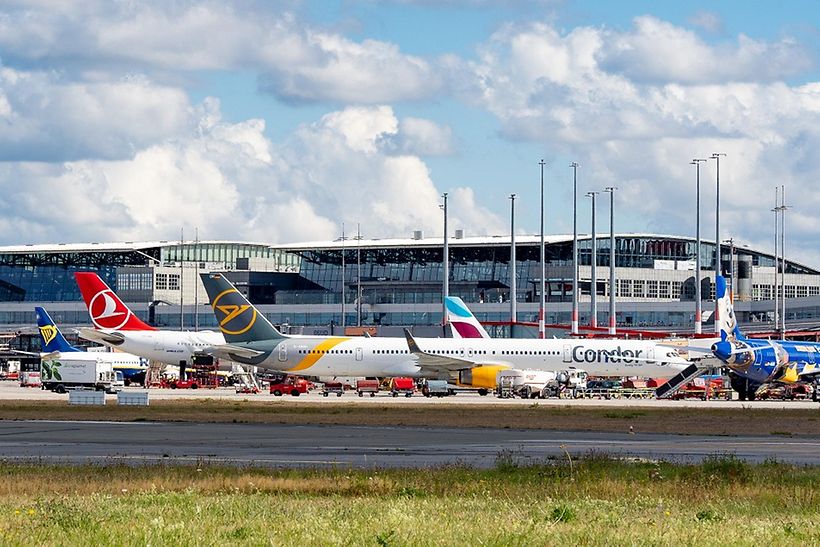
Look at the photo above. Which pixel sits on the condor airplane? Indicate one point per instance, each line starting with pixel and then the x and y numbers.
pixel 473 362
pixel 754 363
pixel 116 326
pixel 53 343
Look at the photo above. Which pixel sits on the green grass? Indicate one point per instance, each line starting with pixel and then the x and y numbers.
pixel 596 501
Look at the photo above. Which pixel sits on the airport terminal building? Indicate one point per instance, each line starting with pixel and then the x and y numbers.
pixel 391 283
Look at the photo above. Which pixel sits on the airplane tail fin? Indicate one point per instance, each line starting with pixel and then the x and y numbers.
pixel 106 309
pixel 51 339
pixel 727 320
pixel 464 323
pixel 238 319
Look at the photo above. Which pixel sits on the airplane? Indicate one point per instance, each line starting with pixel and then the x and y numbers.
pixel 752 363
pixel 53 343
pixel 474 362
pixel 116 326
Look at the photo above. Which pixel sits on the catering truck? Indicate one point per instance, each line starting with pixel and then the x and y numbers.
pixel 79 371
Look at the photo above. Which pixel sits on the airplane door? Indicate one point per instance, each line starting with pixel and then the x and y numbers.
pixel 283 352
pixel 567 353
pixel 650 354
pixel 358 354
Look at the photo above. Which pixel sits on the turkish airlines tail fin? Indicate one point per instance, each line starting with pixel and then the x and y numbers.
pixel 106 309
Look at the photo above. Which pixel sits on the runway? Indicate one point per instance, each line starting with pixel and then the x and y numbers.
pixel 292 446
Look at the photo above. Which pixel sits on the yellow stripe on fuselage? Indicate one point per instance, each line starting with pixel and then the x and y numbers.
pixel 317 353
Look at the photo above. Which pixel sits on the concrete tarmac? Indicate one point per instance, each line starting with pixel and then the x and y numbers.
pixel 11 391
pixel 362 447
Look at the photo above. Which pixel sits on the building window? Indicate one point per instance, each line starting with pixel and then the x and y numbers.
pixel 638 288
pixel 664 289
pixel 814 291
pixel 802 291
pixel 677 287
pixel 625 288
pixel 162 282
pixel 651 289
pixel 173 282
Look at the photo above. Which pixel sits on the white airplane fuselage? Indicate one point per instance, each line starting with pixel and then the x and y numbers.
pixel 165 346
pixel 362 356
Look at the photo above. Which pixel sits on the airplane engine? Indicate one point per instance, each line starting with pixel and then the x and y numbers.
pixel 481 376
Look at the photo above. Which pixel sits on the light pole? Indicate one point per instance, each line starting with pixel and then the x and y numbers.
pixel 718 255
pixel 513 281
pixel 593 287
pixel 783 208
pixel 358 274
pixel 543 301
pixel 776 261
pixel 611 190
pixel 696 162
pixel 343 278
pixel 446 264
pixel 574 166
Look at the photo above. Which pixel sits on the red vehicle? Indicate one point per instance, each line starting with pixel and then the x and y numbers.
pixel 183 384
pixel 292 386
pixel 367 386
pixel 407 386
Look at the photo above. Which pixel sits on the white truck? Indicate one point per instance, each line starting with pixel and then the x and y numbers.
pixel 79 371
pixel 532 384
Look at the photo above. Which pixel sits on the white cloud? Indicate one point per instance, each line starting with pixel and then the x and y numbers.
pixel 708 21
pixel 43 117
pixel 635 107
pixel 166 39
pixel 229 181
pixel 420 137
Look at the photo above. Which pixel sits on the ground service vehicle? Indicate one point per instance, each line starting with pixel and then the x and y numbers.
pixel 289 386
pixel 87 371
pixel 333 387
pixel 402 385
pixel 527 384
pixel 367 386
pixel 437 388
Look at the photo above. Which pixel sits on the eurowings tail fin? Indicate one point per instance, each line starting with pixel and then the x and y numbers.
pixel 727 320
pixel 238 319
pixel 106 309
pixel 464 323
pixel 51 339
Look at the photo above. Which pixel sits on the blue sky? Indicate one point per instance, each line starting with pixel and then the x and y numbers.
pixel 279 121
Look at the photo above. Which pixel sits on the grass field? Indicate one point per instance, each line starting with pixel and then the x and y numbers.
pixel 594 501
pixel 695 421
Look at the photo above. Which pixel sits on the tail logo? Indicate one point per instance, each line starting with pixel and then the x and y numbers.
pixel 107 311
pixel 235 317
pixel 49 333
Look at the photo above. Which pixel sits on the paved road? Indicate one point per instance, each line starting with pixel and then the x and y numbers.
pixel 10 391
pixel 313 445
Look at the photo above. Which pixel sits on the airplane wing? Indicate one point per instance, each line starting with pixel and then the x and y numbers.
pixel 102 337
pixel 433 362
pixel 50 355
pixel 225 351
